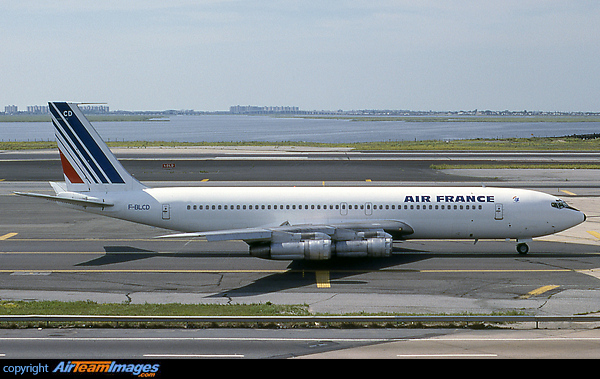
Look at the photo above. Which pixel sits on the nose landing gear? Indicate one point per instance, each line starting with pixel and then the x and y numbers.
pixel 522 248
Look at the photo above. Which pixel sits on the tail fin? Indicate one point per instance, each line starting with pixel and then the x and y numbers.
pixel 88 164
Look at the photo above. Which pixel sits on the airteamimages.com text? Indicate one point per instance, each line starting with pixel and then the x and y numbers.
pixel 84 366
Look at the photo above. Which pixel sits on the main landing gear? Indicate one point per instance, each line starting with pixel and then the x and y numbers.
pixel 522 248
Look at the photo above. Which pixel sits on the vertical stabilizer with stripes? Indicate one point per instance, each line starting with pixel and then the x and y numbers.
pixel 88 164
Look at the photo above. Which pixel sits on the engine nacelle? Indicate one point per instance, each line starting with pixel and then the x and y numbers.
pixel 370 247
pixel 311 249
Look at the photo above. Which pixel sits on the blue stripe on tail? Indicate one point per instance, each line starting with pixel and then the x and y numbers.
pixel 102 165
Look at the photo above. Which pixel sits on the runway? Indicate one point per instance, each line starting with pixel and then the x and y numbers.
pixel 51 252
pixel 281 164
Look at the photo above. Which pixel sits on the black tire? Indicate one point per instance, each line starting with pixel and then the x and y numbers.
pixel 522 248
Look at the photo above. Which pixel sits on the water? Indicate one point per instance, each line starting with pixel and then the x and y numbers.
pixel 226 128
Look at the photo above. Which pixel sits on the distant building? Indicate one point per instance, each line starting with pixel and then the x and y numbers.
pixel 11 109
pixel 94 108
pixel 252 109
pixel 38 109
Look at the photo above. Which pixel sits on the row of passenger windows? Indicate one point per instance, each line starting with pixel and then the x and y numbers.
pixel 330 206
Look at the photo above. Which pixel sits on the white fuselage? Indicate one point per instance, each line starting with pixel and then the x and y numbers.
pixel 314 223
pixel 432 212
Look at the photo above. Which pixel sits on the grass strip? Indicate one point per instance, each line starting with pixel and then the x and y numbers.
pixel 128 309
pixel 506 144
pixel 563 166
pixel 175 309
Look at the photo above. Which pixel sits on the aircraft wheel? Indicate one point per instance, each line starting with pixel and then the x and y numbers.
pixel 522 248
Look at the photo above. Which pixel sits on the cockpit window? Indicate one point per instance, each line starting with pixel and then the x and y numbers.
pixel 560 204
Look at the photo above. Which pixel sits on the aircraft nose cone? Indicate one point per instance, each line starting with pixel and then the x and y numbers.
pixel 579 218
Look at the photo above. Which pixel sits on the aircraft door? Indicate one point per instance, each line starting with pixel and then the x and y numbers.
pixel 499 213
pixel 368 209
pixel 343 209
pixel 166 212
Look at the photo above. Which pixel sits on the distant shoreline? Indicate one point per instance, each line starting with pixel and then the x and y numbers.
pixel 566 143
pixel 425 118
pixel 91 117
pixel 459 118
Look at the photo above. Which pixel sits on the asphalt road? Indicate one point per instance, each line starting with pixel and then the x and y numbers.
pixel 162 346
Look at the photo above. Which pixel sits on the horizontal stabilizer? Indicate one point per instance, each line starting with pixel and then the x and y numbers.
pixel 70 198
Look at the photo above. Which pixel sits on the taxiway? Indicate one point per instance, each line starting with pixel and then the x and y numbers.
pixel 52 252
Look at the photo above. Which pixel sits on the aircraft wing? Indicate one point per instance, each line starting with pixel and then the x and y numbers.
pixel 247 234
pixel 286 232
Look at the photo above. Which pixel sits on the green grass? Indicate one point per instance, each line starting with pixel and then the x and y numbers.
pixel 564 166
pixel 509 144
pixel 175 309
pixel 87 308
pixel 126 309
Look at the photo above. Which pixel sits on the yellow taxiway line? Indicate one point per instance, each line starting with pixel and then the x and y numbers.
pixel 568 192
pixel 595 234
pixel 538 291
pixel 142 271
pixel 7 236
pixel 323 279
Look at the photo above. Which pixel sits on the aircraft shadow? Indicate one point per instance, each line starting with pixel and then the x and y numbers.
pixel 303 273
pixel 122 254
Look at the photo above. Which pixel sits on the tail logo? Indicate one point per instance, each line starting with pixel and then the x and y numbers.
pixel 68 170
pixel 82 154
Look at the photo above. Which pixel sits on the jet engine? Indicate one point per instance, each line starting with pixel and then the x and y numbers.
pixel 319 246
pixel 317 249
pixel 370 247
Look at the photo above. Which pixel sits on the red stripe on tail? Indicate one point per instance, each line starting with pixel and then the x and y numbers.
pixel 68 170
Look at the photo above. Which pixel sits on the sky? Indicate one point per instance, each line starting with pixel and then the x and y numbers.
pixel 318 55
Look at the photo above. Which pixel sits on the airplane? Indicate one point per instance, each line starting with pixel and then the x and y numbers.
pixel 295 223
